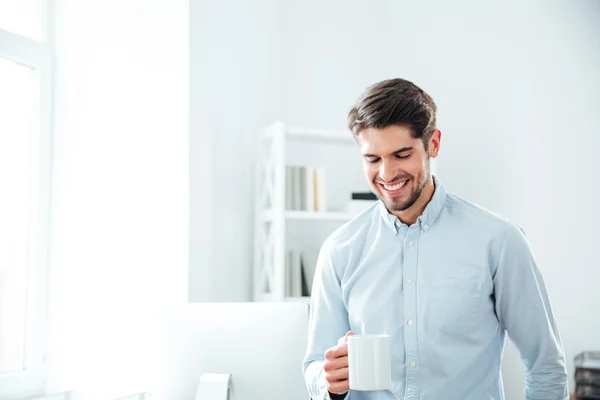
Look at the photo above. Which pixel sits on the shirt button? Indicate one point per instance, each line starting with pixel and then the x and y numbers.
pixel 425 226
pixel 409 281
pixel 411 243
pixel 410 322
pixel 413 364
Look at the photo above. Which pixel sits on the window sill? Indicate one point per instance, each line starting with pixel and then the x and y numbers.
pixel 24 384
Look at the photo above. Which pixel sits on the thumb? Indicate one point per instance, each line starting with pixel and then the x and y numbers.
pixel 345 338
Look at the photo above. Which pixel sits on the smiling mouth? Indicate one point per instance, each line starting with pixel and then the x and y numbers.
pixel 394 189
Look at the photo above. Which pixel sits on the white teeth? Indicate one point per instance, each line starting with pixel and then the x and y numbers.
pixel 395 187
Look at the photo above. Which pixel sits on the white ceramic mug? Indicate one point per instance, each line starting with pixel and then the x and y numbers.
pixel 369 362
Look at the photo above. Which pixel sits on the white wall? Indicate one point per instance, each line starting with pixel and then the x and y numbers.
pixel 120 202
pixel 234 71
pixel 518 92
pixel 332 51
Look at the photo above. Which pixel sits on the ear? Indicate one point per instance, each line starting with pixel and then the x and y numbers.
pixel 434 143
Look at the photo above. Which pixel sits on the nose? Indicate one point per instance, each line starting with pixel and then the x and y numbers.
pixel 386 171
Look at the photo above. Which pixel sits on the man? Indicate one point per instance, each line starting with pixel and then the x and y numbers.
pixel 445 278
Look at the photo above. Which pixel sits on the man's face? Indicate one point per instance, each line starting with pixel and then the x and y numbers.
pixel 396 165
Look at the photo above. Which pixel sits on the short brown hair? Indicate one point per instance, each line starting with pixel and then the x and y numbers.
pixel 394 102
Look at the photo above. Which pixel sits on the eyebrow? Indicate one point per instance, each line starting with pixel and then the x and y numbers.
pixel 402 150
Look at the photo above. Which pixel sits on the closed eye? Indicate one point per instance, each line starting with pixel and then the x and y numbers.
pixel 403 157
pixel 373 160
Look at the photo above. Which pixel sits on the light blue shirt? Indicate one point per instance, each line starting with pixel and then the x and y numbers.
pixel 447 290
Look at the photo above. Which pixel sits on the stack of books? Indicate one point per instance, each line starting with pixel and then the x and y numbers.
pixel 305 188
pixel 298 276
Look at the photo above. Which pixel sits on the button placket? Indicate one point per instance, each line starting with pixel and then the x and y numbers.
pixel 410 308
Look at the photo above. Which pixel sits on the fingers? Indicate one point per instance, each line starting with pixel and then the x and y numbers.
pixel 337 380
pixel 341 350
pixel 337 375
pixel 335 364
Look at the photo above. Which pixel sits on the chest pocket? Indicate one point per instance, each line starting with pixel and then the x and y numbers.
pixel 454 304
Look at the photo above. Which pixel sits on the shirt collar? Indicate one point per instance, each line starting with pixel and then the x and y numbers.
pixel 430 213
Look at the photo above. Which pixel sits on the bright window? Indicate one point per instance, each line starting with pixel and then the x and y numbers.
pixel 23 17
pixel 17 99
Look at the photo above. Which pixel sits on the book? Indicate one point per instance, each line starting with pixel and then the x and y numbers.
pixel 320 195
pixel 288 272
pixel 309 188
pixel 296 274
pixel 298 188
pixel 305 188
pixel 363 196
pixel 289 188
pixel 306 287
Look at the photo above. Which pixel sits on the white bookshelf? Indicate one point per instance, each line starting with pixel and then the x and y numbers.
pixel 301 299
pixel 282 146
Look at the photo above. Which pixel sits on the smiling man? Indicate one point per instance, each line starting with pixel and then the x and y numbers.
pixel 445 278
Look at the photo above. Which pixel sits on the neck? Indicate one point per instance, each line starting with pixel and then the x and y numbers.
pixel 410 215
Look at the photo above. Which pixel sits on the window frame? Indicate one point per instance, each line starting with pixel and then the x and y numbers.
pixel 38 55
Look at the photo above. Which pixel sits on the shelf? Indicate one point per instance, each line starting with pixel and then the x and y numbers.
pixel 267 215
pixel 303 299
pixel 264 297
pixel 268 297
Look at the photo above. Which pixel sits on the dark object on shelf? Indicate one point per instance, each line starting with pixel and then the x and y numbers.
pixel 587 392
pixel 305 287
pixel 587 375
pixel 363 196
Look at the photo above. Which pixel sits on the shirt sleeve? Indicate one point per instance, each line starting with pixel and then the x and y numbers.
pixel 523 309
pixel 328 321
